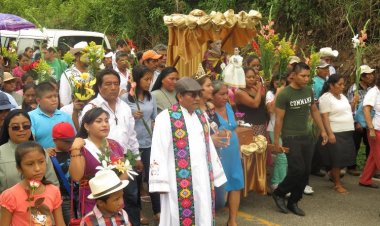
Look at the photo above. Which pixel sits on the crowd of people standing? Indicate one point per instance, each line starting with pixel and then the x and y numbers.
pixel 179 132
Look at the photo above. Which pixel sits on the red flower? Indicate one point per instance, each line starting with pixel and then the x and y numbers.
pixel 256 47
pixel 114 159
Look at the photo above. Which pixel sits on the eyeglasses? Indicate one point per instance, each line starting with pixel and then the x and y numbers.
pixel 193 94
pixel 18 127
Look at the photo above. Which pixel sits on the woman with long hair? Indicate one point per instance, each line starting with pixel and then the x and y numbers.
pixel 94 130
pixel 164 88
pixel 144 110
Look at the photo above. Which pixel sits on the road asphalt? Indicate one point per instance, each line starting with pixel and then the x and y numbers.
pixel 360 207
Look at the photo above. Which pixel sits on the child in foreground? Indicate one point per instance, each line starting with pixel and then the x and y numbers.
pixel 107 190
pixel 34 200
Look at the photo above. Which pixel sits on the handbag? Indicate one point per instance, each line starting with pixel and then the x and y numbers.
pixel 75 221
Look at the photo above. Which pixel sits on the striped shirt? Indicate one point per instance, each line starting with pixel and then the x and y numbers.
pixel 96 218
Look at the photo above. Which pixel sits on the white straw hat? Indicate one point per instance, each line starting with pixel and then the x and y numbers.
pixel 104 183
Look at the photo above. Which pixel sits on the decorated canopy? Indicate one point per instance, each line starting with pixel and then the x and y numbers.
pixel 189 34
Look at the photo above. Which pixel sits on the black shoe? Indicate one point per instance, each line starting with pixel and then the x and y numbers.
pixel 295 209
pixel 280 203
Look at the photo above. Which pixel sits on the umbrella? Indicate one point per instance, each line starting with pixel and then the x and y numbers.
pixel 14 23
pixel 188 34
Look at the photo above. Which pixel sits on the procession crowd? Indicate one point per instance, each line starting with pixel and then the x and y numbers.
pixel 73 156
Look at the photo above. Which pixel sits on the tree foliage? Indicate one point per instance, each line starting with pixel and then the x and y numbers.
pixel 141 20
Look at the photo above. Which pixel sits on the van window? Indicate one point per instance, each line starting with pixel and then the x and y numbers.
pixel 65 42
pixel 27 42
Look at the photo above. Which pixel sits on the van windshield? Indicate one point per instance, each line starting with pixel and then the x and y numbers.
pixel 65 41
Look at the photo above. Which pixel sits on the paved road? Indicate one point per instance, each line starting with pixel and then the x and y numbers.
pixel 360 207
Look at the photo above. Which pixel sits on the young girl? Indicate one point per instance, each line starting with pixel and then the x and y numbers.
pixel 29 98
pixel 34 200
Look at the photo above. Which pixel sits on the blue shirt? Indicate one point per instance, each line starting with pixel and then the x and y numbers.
pixel 149 109
pixel 42 125
pixel 318 83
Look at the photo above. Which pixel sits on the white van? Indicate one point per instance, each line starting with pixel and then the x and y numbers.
pixel 61 39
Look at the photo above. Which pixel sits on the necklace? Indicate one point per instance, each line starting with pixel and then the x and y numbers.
pixel 167 98
pixel 114 114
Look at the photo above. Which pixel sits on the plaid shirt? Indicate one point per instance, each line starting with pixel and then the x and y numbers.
pixel 96 218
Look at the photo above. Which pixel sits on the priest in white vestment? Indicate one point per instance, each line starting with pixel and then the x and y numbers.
pixel 163 177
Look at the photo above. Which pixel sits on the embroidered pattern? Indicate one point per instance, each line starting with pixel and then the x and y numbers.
pixel 183 165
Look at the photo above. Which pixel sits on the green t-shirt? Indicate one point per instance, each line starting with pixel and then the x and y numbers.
pixel 296 103
pixel 58 67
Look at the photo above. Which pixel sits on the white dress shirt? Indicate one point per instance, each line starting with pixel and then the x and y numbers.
pixel 122 123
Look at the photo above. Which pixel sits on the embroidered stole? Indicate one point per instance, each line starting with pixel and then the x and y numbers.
pixel 183 165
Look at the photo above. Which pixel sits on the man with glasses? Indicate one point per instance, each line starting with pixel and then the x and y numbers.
pixel 184 166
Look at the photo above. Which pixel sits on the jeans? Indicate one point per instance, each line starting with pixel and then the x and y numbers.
pixel 280 164
pixel 155 196
pixel 299 164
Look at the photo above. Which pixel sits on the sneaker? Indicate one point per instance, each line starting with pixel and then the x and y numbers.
pixel 308 190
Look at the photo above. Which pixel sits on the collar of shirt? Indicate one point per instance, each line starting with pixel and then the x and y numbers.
pixel 40 112
pixel 99 214
pixel 99 100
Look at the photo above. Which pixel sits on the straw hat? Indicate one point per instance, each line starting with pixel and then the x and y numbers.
pixel 104 183
pixel 328 52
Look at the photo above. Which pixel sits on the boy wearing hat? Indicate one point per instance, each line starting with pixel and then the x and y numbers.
pixel 63 136
pixel 107 190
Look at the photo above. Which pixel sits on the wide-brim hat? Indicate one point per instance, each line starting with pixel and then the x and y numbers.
pixel 8 77
pixel 364 69
pixel 104 183
pixel 78 47
pixel 328 52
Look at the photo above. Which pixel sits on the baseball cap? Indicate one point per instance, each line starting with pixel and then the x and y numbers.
pixel 150 54
pixel 363 69
pixel 294 59
pixel 187 84
pixel 64 131
pixel 4 102
pixel 322 64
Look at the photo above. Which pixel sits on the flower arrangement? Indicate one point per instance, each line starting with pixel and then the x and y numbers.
pixel 82 87
pixel 284 51
pixel 68 58
pixel 267 46
pixel 11 52
pixel 359 45
pixel 41 68
pixel 114 163
pixel 93 55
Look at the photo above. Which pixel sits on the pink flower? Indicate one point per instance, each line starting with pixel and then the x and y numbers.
pixel 133 89
pixel 239 115
pixel 34 184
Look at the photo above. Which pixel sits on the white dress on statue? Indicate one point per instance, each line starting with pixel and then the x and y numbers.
pixel 234 75
pixel 162 176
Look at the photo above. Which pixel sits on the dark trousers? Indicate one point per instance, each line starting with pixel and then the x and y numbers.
pixel 299 165
pixel 131 202
pixel 154 197
pixel 359 136
pixel 317 164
